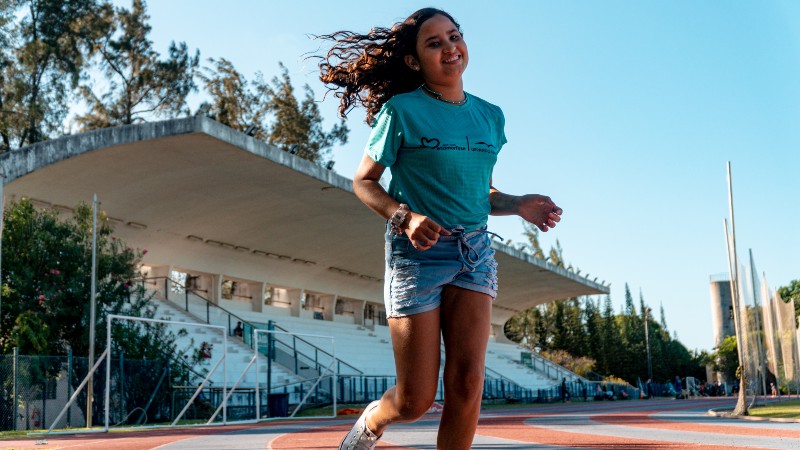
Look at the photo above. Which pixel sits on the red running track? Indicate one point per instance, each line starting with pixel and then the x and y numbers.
pixel 656 424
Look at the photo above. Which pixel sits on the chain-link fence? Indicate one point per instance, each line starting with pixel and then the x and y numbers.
pixel 35 390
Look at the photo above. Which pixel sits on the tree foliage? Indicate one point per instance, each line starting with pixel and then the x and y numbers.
pixel 587 334
pixel 47 281
pixel 726 358
pixel 233 101
pixel 792 291
pixel 53 52
pixel 299 125
pixel 270 111
pixel 140 84
pixel 42 64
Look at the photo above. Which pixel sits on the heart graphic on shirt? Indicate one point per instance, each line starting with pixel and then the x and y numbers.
pixel 430 143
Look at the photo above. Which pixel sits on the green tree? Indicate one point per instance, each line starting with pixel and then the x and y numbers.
pixel 140 84
pixel 568 332
pixel 581 365
pixel 611 340
pixel 792 291
pixel 269 111
pixel 521 327
pixel 46 280
pixel 592 319
pixel 233 102
pixel 46 61
pixel 298 126
pixel 531 234
pixel 557 255
pixel 46 287
pixel 11 118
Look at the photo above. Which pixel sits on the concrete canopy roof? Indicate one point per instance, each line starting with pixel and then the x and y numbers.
pixel 192 190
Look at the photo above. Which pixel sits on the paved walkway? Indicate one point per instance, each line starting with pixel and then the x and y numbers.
pixel 646 424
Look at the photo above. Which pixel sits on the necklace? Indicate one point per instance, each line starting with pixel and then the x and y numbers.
pixel 438 96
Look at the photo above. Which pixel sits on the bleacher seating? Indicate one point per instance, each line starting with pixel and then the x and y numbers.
pixel 239 354
pixel 369 349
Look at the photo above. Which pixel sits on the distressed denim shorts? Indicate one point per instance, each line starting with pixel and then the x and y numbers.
pixel 414 278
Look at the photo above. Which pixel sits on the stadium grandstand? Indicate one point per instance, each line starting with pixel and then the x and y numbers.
pixel 240 232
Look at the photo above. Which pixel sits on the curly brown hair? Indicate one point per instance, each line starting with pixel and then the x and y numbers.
pixel 369 69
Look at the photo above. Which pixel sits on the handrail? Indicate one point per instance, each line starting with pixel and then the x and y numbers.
pixel 194 291
pixel 179 361
pixel 560 370
pixel 497 375
pixel 309 358
pixel 280 328
pixel 209 303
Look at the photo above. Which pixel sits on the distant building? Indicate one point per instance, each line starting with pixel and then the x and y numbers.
pixel 721 308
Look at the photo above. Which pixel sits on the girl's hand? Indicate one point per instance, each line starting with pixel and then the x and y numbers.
pixel 539 210
pixel 423 231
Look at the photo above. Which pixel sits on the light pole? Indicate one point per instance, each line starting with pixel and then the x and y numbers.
pixel 92 302
pixel 647 343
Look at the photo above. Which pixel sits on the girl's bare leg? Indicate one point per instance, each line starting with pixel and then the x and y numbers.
pixel 416 342
pixel 466 317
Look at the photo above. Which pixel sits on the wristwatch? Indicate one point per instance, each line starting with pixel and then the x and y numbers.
pixel 398 218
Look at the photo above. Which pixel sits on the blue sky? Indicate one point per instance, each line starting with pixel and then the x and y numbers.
pixel 624 112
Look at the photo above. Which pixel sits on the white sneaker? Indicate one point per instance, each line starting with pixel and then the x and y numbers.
pixel 360 436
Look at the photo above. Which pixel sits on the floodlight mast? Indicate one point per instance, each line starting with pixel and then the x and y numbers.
pixel 733 262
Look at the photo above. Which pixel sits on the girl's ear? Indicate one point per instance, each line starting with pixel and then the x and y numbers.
pixel 411 62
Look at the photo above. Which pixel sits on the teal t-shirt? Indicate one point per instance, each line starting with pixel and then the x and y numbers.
pixel 440 155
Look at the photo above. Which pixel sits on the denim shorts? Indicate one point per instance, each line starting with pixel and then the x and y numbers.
pixel 414 278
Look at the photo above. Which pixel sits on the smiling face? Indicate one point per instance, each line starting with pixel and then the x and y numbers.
pixel 441 52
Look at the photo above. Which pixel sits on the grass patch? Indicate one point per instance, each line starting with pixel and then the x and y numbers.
pixel 15 434
pixel 789 409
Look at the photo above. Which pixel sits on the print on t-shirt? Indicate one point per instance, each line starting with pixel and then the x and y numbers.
pixel 480 146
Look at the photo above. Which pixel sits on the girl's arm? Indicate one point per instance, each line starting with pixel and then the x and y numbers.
pixel 537 209
pixel 421 230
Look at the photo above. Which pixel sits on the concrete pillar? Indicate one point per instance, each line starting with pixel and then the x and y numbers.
pixel 158 275
pixel 499 334
pixel 257 291
pixel 296 297
pixel 215 289
pixel 358 311
pixel 203 284
pixel 159 271
pixel 328 306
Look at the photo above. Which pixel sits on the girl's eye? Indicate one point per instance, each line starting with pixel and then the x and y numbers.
pixel 433 44
pixel 455 37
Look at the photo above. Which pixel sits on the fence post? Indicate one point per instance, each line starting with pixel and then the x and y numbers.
pixel 44 404
pixel 14 404
pixel 294 349
pixel 270 355
pixel 169 384
pixel 121 382
pixel 69 383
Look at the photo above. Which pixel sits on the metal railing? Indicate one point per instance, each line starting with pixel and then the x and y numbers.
pixel 294 353
pixel 300 348
pixel 550 369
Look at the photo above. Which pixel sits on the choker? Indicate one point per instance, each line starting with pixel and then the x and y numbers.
pixel 438 96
